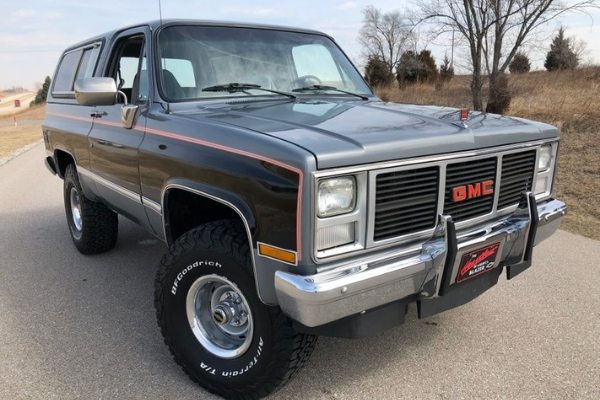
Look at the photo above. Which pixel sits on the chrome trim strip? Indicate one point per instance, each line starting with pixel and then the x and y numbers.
pixel 133 196
pixel 228 204
pixel 151 204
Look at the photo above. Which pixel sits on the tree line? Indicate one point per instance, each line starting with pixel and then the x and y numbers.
pixel 493 33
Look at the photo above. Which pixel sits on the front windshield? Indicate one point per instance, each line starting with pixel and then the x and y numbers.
pixel 193 58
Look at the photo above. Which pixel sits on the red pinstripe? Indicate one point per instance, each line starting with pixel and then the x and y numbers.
pixel 221 147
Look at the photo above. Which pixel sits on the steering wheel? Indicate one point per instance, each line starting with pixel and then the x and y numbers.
pixel 306 80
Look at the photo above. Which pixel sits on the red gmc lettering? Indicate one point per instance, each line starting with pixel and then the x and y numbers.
pixel 470 191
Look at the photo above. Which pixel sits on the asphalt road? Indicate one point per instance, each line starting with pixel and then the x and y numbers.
pixel 7 105
pixel 74 326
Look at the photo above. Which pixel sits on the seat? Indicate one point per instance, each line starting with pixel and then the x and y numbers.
pixel 171 86
pixel 139 91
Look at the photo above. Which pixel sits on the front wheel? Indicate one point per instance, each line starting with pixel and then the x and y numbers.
pixel 215 325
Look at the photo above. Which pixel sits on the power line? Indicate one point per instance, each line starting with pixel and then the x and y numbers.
pixel 28 51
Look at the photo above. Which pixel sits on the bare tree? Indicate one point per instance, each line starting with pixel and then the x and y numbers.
pixel 384 35
pixel 494 30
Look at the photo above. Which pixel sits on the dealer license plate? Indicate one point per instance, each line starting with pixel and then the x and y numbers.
pixel 477 262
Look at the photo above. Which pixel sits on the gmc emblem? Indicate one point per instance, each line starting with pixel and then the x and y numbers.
pixel 470 191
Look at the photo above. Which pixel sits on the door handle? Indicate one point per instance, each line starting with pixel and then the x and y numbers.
pixel 97 113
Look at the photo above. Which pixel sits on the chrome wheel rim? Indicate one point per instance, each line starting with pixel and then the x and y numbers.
pixel 76 210
pixel 219 316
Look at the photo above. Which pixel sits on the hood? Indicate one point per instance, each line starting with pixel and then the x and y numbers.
pixel 345 133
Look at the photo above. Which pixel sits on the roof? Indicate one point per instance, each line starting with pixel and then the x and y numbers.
pixel 157 24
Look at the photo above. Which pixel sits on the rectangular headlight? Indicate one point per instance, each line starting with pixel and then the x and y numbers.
pixel 336 196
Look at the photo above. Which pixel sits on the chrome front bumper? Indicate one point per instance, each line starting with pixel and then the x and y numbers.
pixel 427 274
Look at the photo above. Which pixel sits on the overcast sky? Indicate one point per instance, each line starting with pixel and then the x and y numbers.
pixel 34 32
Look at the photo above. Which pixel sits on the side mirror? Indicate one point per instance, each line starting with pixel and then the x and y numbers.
pixel 96 91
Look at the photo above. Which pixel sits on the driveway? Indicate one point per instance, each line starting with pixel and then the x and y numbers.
pixel 74 326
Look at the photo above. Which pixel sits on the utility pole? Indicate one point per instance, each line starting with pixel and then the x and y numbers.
pixel 452 52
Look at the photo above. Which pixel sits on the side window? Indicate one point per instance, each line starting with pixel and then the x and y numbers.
pixel 127 67
pixel 63 81
pixel 76 64
pixel 88 62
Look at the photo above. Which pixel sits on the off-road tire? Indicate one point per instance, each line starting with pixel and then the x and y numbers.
pixel 276 352
pixel 99 225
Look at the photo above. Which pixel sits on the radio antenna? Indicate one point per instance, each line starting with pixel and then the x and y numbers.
pixel 160 12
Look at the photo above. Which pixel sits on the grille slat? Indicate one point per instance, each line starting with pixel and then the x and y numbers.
pixel 416 193
pixel 405 202
pixel 516 177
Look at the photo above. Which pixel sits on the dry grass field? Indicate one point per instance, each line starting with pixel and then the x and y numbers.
pixel 13 137
pixel 569 100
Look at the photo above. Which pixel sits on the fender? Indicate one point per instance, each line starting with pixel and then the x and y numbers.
pixel 265 275
pixel 226 198
pixel 264 268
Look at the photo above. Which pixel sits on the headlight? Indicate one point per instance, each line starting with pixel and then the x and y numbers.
pixel 336 196
pixel 545 158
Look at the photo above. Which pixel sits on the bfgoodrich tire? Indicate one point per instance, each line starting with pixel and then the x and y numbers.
pixel 213 322
pixel 93 226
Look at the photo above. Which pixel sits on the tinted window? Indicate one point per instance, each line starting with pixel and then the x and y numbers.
pixel 88 62
pixel 74 65
pixel 63 82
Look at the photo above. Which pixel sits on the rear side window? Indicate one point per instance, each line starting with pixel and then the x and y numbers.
pixel 63 82
pixel 74 65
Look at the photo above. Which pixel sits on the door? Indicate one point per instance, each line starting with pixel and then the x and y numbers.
pixel 114 148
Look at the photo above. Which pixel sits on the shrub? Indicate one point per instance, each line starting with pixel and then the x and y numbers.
pixel 520 64
pixel 377 72
pixel 499 97
pixel 413 68
pixel 446 70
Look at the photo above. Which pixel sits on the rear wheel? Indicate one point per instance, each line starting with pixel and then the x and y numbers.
pixel 93 226
pixel 215 325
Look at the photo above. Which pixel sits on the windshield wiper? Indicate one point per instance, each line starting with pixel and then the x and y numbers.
pixel 242 87
pixel 322 87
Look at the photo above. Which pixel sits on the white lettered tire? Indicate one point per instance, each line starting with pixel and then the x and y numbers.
pixel 211 318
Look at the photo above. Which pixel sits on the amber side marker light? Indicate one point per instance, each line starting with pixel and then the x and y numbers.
pixel 277 253
pixel 464 115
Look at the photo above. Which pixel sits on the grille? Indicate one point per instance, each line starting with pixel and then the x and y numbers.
pixel 517 177
pixel 464 174
pixel 405 202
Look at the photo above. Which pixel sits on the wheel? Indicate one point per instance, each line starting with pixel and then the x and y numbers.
pixel 306 80
pixel 213 322
pixel 93 226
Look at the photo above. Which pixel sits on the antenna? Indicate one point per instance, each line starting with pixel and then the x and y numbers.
pixel 160 12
